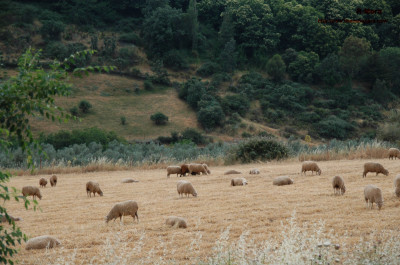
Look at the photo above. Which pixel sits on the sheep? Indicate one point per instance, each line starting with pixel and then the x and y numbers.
pixel 94 187
pixel 121 209
pixel 53 180
pixel 338 185
pixel 374 167
pixel 232 171
pixel 128 180
pixel 173 170
pixel 254 171
pixel 238 182
pixel 41 242
pixel 373 194
pixel 43 182
pixel 397 185
pixel 184 169
pixel 394 153
pixel 310 166
pixel 178 222
pixel 282 180
pixel 197 168
pixel 207 169
pixel 4 219
pixel 31 191
pixel 185 187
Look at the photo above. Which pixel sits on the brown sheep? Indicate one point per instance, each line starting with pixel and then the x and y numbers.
pixel 185 187
pixel 338 185
pixel 282 180
pixel 43 182
pixel 173 170
pixel 178 222
pixel 232 171
pixel 94 187
pixel 374 167
pixel 310 166
pixel 394 153
pixel 31 191
pixel 122 209
pixel 184 169
pixel 197 168
pixel 53 180
pixel 397 185
pixel 238 182
pixel 373 194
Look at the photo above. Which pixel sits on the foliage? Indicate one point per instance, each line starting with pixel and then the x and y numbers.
pixel 276 67
pixel 127 56
pixel 109 46
pixel 52 29
pixel 74 111
pixel 302 68
pixel 352 52
pixel 159 118
pixel 123 120
pixel 148 84
pixel 329 70
pixel 161 75
pixel 333 127
pixel 208 68
pixel 235 103
pixel 85 106
pixel 174 60
pixel 227 58
pixel 132 38
pixel 211 116
pixel 57 50
pixel 194 136
pixel 259 149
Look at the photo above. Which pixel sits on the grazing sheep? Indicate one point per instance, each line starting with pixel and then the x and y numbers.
pixel 310 166
pixel 4 219
pixel 53 180
pixel 254 171
pixel 41 242
pixel 31 191
pixel 121 209
pixel 394 153
pixel 173 170
pixel 373 194
pixel 94 187
pixel 232 171
pixel 338 185
pixel 197 168
pixel 238 182
pixel 207 169
pixel 184 169
pixel 374 167
pixel 178 222
pixel 185 187
pixel 43 182
pixel 129 180
pixel 282 180
pixel 397 185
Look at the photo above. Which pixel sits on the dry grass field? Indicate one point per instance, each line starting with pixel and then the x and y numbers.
pixel 258 209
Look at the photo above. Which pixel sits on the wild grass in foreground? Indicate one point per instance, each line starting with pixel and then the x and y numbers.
pixel 297 244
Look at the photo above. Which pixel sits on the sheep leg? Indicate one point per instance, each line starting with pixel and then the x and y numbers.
pixel 137 216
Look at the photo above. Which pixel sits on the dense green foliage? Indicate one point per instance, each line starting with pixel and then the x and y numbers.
pixel 85 106
pixel 159 118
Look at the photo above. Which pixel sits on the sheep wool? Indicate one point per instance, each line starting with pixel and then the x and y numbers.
pixel 93 187
pixel 128 180
pixel 123 209
pixel 197 168
pixel 373 194
pixel 42 242
pixel 185 187
pixel 177 222
pixel 207 169
pixel 338 185
pixel 254 171
pixel 394 153
pixel 374 167
pixel 184 169
pixel 53 180
pixel 310 166
pixel 282 180
pixel 31 191
pixel 43 182
pixel 232 171
pixel 173 170
pixel 397 185
pixel 238 182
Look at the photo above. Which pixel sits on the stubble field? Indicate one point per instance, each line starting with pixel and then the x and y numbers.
pixel 258 208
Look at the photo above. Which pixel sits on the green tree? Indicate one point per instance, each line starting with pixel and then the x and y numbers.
pixel 211 116
pixel 226 31
pixel 302 68
pixel 194 23
pixel 276 67
pixel 329 70
pixel 227 58
pixel 159 118
pixel 85 106
pixel 352 52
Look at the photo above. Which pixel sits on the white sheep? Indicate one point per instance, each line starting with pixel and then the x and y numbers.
pixel 310 166
pixel 122 209
pixel 254 171
pixel 185 187
pixel 94 187
pixel 373 194
pixel 232 171
pixel 238 182
pixel 178 222
pixel 31 191
pixel 394 153
pixel 397 185
pixel 43 182
pixel 128 180
pixel 42 242
pixel 374 167
pixel 197 168
pixel 338 185
pixel 53 180
pixel 173 170
pixel 282 180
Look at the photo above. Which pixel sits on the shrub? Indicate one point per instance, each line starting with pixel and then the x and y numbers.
pixel 148 85
pixel 174 60
pixel 52 29
pixel 246 135
pixel 260 149
pixel 235 103
pixel 57 50
pixel 211 116
pixel 131 38
pixel 159 118
pixel 74 111
pixel 334 127
pixel 123 120
pixel 127 56
pixel 161 75
pixel 390 132
pixel 276 67
pixel 194 136
pixel 302 68
pixel 208 69
pixel 85 106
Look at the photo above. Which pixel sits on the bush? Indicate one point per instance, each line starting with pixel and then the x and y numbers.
pixel 235 103
pixel 57 50
pixel 174 60
pixel 123 120
pixel 276 67
pixel 208 69
pixel 260 149
pixel 148 85
pixel 211 116
pixel 85 106
pixel 74 111
pixel 194 136
pixel 52 29
pixel 127 56
pixel 334 127
pixel 159 118
pixel 131 38
pixel 390 132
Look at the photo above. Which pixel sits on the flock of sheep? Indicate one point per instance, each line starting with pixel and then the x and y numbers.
pixel 372 194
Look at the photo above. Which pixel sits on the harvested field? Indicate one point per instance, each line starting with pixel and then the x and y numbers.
pixel 259 208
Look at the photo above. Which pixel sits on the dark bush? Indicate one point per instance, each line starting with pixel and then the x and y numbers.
pixel 260 149
pixel 194 136
pixel 334 127
pixel 74 111
pixel 85 106
pixel 211 116
pixel 208 69
pixel 309 117
pixel 131 38
pixel 123 120
pixel 52 29
pixel 235 103
pixel 57 50
pixel 246 135
pixel 148 85
pixel 127 57
pixel 159 118
pixel 174 60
